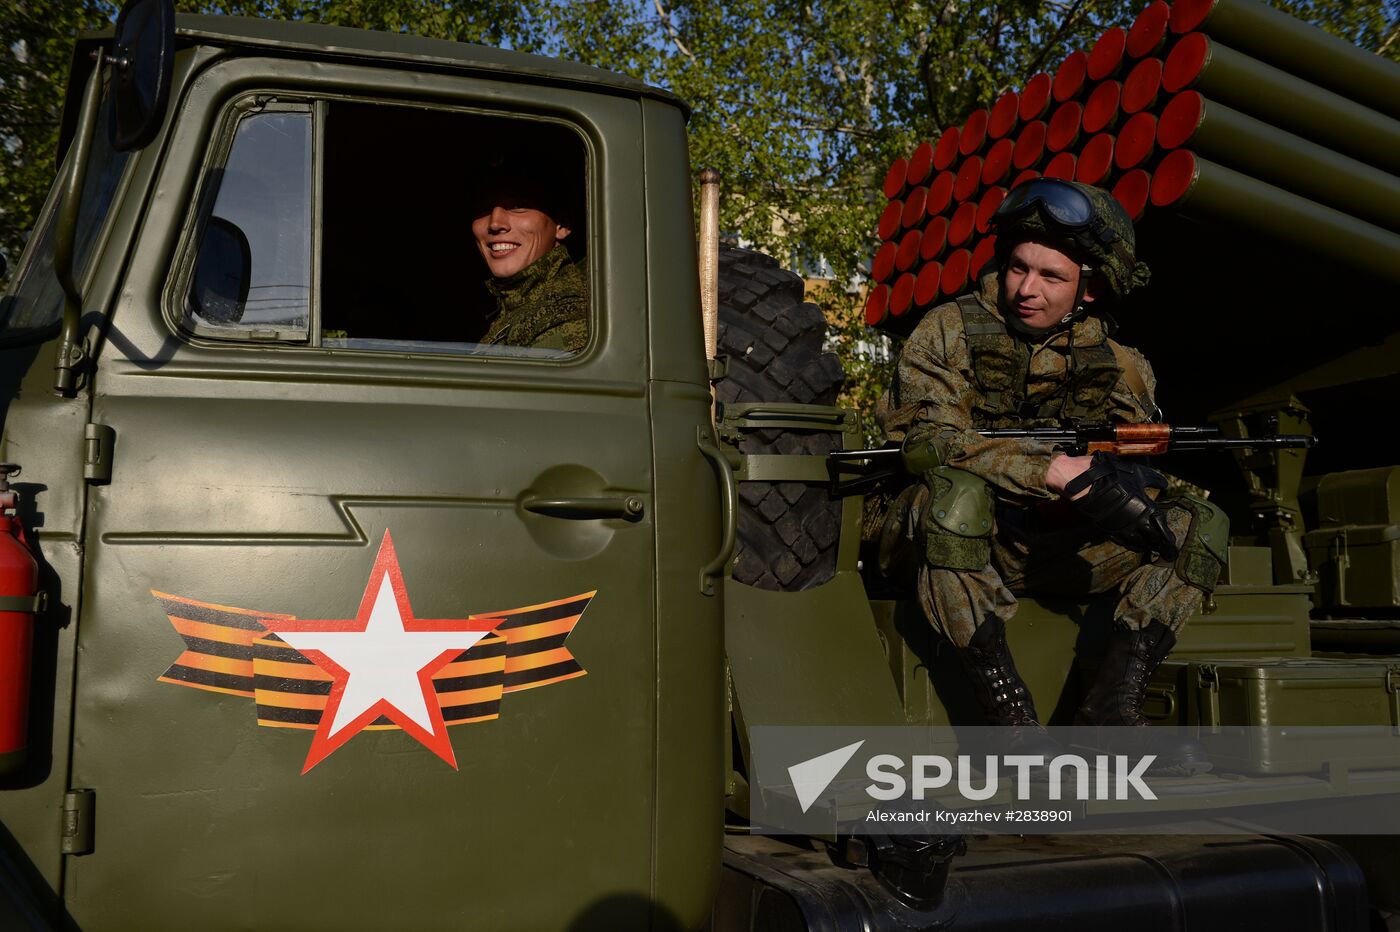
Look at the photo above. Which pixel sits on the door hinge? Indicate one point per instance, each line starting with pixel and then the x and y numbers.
pixel 98 440
pixel 78 808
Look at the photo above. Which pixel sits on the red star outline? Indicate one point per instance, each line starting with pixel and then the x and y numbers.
pixel 323 743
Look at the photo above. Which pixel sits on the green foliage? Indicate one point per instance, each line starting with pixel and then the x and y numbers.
pixel 37 37
pixel 801 104
pixel 867 356
pixel 1373 25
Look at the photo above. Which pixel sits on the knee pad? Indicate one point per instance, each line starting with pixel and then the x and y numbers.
pixel 957 521
pixel 1206 547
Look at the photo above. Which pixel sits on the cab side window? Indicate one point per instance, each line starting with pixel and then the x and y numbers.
pixel 252 273
pixel 377 227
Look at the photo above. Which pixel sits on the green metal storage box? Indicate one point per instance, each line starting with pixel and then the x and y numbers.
pixel 1356 549
pixel 1300 715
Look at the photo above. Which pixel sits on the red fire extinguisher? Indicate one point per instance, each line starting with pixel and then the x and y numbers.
pixel 19 601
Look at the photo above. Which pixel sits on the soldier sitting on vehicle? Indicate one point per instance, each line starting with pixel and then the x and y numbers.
pixel 995 517
pixel 520 219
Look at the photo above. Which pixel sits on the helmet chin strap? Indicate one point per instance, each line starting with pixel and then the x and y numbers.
pixel 1085 273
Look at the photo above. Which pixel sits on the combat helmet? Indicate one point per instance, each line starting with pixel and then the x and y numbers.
pixel 1088 221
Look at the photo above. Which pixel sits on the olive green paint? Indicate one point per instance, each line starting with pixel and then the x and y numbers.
pixel 1284 100
pixel 175 517
pixel 779 641
pixel 1307 51
pixel 1218 193
pixel 1271 155
pixel 49 430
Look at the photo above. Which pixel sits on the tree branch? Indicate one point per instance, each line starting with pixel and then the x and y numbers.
pixel 925 65
pixel 670 27
pixel 1390 39
pixel 804 123
pixel 1057 38
pixel 836 68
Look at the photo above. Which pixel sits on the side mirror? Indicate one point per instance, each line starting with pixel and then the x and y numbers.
pixel 143 63
pixel 222 273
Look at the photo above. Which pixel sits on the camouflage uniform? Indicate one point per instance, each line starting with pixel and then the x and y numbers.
pixel 544 305
pixel 1036 544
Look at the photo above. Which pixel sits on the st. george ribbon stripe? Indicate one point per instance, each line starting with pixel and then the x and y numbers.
pixel 229 650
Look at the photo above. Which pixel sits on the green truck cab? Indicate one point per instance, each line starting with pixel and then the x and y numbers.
pixel 245 383
pixel 250 460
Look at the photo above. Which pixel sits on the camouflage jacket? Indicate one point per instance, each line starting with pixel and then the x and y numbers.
pixel 544 305
pixel 935 393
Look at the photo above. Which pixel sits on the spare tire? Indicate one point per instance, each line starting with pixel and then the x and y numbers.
pixel 788 531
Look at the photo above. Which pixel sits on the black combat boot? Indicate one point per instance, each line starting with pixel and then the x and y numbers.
pixel 1003 695
pixel 1115 701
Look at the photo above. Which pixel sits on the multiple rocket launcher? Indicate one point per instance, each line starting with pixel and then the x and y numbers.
pixel 1225 111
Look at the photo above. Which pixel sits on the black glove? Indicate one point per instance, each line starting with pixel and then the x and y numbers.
pixel 1117 504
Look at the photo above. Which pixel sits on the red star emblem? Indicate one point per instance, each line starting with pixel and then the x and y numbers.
pixel 382 662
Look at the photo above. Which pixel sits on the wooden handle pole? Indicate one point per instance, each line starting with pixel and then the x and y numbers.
pixel 709 258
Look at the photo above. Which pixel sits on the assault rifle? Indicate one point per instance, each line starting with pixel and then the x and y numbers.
pixel 854 472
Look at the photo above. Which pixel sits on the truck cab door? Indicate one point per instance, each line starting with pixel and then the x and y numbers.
pixel 311 446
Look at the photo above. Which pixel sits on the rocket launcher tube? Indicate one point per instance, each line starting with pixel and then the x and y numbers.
pixel 1101 109
pixel 1136 141
pixel 1132 191
pixel 1272 155
pixel 1035 98
pixel 1149 30
pixel 1204 189
pixel 1070 77
pixel 1106 57
pixel 974 133
pixel 1278 98
pixel 1305 50
pixel 945 151
pixel 1004 115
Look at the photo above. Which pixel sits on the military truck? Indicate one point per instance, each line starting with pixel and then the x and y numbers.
pixel 247 409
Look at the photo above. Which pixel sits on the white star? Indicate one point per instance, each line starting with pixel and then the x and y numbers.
pixel 383 661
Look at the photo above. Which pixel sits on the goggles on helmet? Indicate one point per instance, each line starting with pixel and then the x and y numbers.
pixel 1066 207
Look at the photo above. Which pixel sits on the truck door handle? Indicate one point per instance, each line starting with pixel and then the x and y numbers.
pixel 729 510
pixel 585 509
